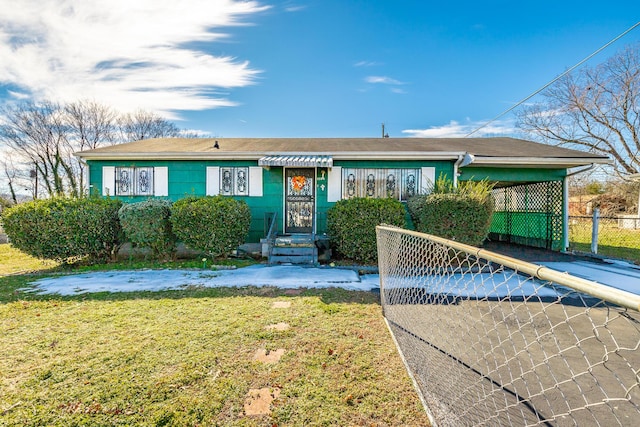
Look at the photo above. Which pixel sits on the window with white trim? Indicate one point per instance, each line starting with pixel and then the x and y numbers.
pixel 400 184
pixel 134 181
pixel 234 181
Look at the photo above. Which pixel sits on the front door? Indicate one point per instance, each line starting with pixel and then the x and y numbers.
pixel 299 200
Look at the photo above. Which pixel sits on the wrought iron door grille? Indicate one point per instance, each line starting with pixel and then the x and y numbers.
pixel 300 200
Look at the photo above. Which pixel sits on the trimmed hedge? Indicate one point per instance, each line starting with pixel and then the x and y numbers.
pixel 63 229
pixel 214 225
pixel 463 215
pixel 352 225
pixel 148 224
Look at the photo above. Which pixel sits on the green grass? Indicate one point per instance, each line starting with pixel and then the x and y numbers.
pixel 613 241
pixel 12 261
pixel 186 358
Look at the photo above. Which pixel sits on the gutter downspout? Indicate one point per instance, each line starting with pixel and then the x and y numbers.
pixel 456 172
pixel 565 206
pixel 463 160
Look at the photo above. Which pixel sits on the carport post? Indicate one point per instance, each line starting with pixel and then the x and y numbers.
pixel 565 214
pixel 594 230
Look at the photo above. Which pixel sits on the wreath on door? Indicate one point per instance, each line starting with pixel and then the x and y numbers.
pixel 298 182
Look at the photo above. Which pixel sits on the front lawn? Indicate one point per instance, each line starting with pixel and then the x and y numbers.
pixel 188 357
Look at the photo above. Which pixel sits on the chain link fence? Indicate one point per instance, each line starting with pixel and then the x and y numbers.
pixel 490 340
pixel 616 237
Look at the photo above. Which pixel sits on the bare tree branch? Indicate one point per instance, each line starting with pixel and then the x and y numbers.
pixel 596 109
pixel 46 135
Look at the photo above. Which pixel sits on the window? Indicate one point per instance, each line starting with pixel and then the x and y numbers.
pixel 134 181
pixel 399 184
pixel 234 181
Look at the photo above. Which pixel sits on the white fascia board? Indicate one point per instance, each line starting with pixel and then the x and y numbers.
pixel 398 155
pixel 170 156
pixel 539 161
pixel 402 155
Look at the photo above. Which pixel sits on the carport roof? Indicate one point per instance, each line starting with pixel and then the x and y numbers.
pixel 496 151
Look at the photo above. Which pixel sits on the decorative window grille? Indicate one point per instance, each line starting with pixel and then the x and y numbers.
pixel 134 181
pixel 234 181
pixel 399 184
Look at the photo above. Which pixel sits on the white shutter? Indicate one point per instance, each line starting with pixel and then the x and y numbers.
pixel 161 181
pixel 213 181
pixel 255 181
pixel 428 179
pixel 108 181
pixel 334 181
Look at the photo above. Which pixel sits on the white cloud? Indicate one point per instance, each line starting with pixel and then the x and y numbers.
pixel 366 64
pixel 294 8
pixel 457 130
pixel 18 95
pixel 382 80
pixel 128 54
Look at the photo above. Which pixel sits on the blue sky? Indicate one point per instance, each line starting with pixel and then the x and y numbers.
pixel 308 68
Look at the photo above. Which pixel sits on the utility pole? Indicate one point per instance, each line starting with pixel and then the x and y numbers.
pixel 34 174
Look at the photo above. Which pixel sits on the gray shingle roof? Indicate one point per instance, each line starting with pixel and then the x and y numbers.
pixel 485 150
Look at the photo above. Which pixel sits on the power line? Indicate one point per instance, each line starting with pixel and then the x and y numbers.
pixel 554 80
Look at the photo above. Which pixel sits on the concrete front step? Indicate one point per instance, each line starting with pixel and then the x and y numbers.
pixel 296 260
pixel 295 240
pixel 294 249
pixel 297 251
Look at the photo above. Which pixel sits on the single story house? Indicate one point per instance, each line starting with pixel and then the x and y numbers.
pixel 295 180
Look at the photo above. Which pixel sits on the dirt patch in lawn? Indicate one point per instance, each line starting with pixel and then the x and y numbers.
pixel 258 401
pixel 266 356
pixel 282 326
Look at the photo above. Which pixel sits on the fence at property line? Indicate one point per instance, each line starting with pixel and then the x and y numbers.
pixel 491 340
pixel 616 237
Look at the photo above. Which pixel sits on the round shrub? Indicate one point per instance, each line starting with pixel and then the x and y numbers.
pixel 63 229
pixel 352 225
pixel 454 216
pixel 148 224
pixel 214 225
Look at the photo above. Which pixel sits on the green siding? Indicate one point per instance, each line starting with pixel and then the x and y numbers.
pixel 272 200
pixel 322 205
pixel 511 174
pixel 188 178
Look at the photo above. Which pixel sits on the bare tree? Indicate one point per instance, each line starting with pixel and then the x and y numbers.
pixel 12 176
pixel 145 125
pixel 596 109
pixel 90 125
pixel 38 135
pixel 44 136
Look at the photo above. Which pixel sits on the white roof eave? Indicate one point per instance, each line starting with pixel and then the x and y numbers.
pixel 356 155
pixel 539 161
